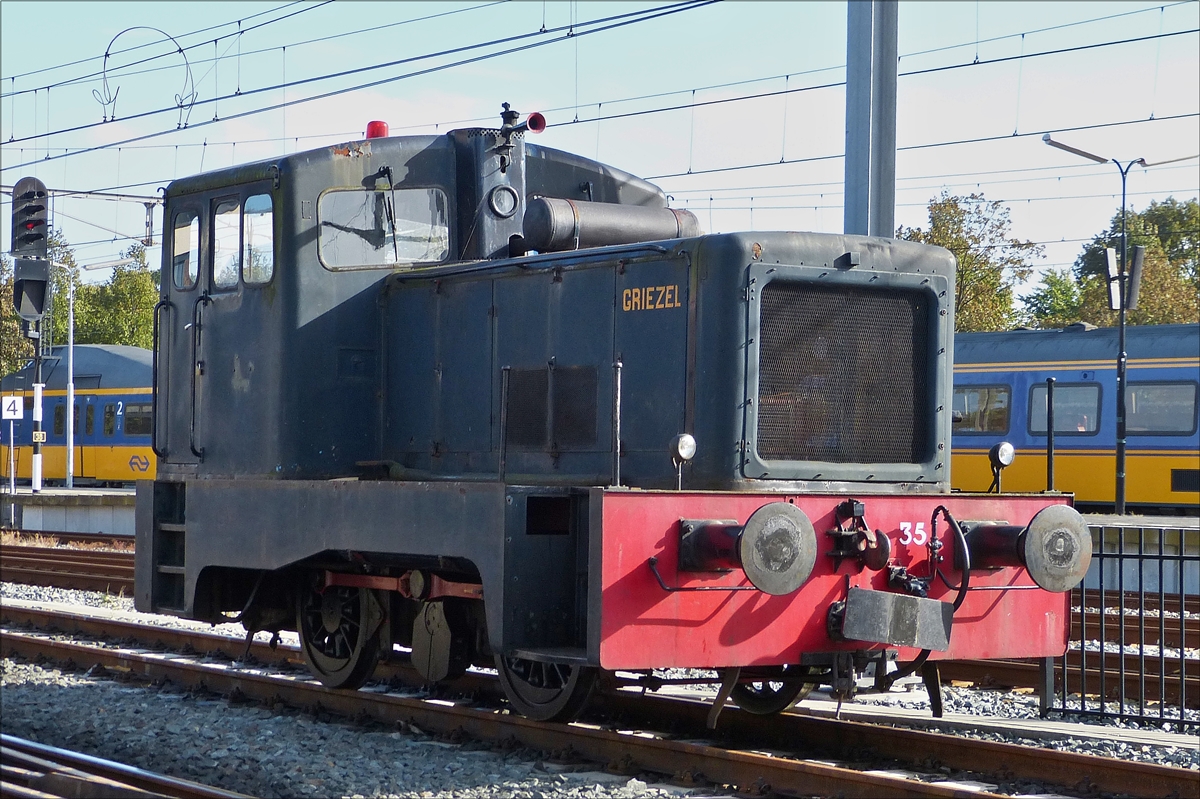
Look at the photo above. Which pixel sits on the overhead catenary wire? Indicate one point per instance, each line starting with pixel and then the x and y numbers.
pixel 952 142
pixel 151 44
pixel 616 20
pixel 175 50
pixel 120 72
pixel 571 33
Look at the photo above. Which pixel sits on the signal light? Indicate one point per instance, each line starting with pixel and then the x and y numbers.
pixel 377 129
pixel 31 287
pixel 29 222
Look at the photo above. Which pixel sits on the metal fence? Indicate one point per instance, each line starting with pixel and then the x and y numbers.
pixel 1134 651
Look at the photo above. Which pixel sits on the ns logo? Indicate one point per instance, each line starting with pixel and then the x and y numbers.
pixel 139 463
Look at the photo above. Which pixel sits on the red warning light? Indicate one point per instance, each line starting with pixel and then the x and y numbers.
pixel 377 129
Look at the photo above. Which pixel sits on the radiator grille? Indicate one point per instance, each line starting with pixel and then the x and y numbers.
pixel 843 374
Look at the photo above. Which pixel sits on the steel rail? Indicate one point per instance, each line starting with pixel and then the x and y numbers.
pixel 1025 674
pixel 60 567
pixel 787 731
pixel 49 771
pixel 745 769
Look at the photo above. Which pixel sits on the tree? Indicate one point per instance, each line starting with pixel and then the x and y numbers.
pixel 15 349
pixel 990 263
pixel 120 311
pixel 1166 296
pixel 1056 302
pixel 1170 232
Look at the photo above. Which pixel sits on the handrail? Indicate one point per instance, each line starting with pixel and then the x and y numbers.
pixel 159 306
pixel 197 365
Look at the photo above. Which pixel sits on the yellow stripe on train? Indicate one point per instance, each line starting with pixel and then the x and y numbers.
pixel 1090 477
pixel 105 463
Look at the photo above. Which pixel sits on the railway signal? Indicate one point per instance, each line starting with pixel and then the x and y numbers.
pixel 31 287
pixel 30 225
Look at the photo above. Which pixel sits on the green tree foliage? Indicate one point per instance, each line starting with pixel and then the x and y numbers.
pixel 1170 232
pixel 121 310
pixel 15 349
pixel 1056 302
pixel 990 262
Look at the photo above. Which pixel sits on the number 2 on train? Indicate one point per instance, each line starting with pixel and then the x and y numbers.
pixel 913 535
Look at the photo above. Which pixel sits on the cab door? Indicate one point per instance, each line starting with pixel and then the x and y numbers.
pixel 178 325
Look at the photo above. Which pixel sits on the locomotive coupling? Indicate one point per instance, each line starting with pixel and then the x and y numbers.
pixel 1056 547
pixel 776 548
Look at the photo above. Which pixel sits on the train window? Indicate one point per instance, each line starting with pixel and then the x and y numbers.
pixel 89 424
pixel 185 258
pixel 110 420
pixel 226 244
pixel 137 419
pixel 1076 409
pixel 981 409
pixel 60 417
pixel 383 228
pixel 1160 408
pixel 258 235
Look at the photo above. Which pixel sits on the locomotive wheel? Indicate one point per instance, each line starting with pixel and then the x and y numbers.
pixel 783 688
pixel 338 635
pixel 545 691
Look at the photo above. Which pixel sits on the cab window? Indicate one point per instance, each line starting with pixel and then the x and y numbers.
pixel 382 228
pixel 1160 408
pixel 258 237
pixel 185 253
pixel 1076 409
pixel 227 260
pixel 59 418
pixel 981 409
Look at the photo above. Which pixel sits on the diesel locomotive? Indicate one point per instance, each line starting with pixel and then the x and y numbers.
pixel 493 403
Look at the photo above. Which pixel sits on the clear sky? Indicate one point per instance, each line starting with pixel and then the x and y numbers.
pixel 980 83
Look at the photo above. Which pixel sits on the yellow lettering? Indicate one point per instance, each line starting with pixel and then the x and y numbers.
pixel 678 304
pixel 626 300
pixel 669 299
pixel 658 302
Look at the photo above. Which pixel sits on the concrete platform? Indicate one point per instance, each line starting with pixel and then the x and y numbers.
pixel 1147 522
pixel 71 510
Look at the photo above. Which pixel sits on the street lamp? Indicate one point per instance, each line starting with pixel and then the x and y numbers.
pixel 70 410
pixel 1122 302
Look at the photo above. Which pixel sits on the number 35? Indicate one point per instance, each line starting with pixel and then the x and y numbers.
pixel 911 535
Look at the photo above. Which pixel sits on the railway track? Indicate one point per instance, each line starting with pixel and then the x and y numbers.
pixel 97 570
pixel 31 769
pixel 64 567
pixel 755 753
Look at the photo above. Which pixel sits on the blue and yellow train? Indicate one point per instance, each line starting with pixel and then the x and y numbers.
pixel 1000 394
pixel 113 416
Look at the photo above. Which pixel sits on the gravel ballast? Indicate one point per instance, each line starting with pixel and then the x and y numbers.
pixel 268 752
pixel 273 753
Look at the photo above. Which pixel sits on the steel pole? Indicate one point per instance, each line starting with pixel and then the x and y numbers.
pixel 37 417
pixel 71 383
pixel 1121 355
